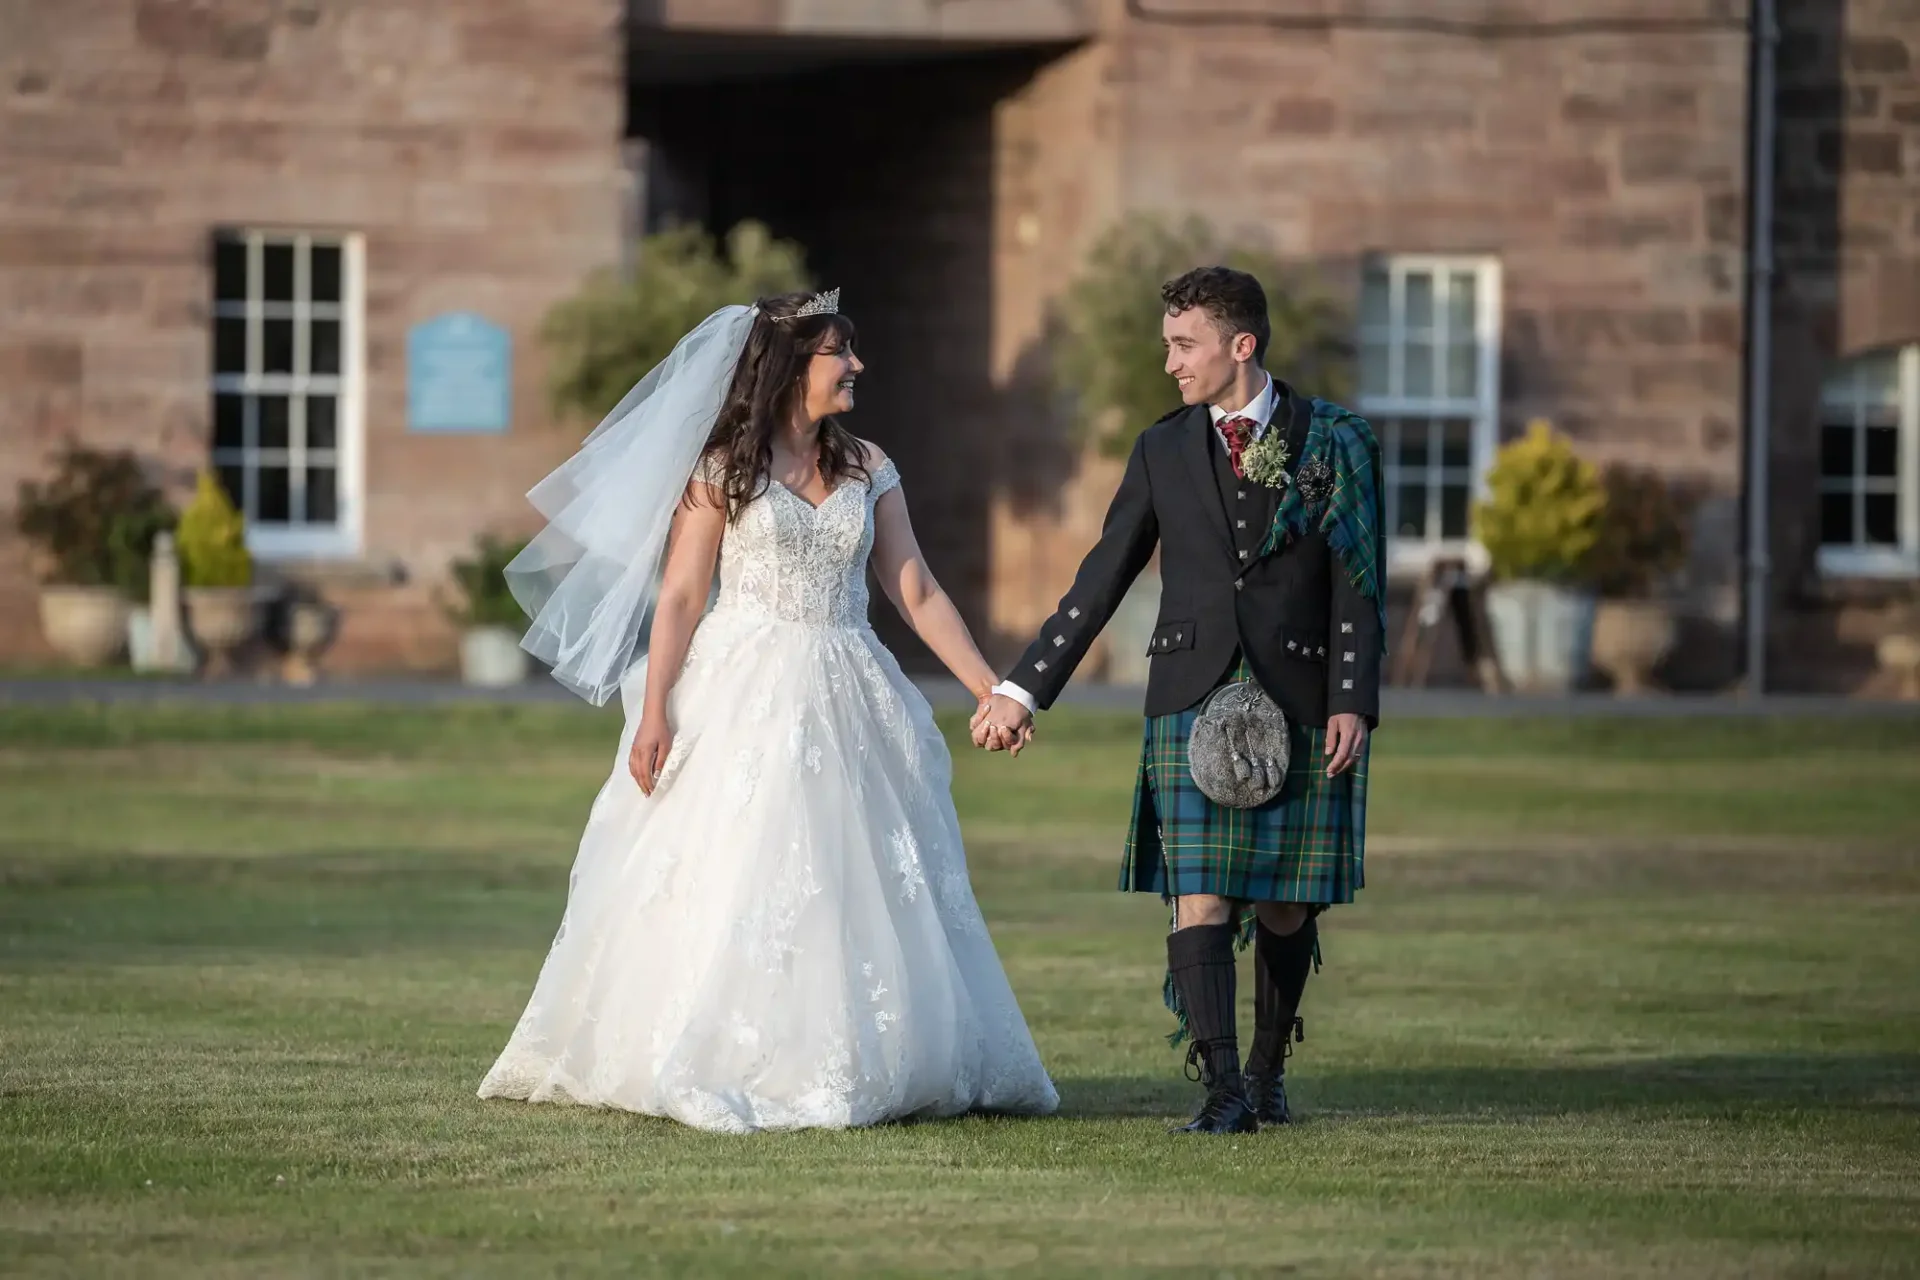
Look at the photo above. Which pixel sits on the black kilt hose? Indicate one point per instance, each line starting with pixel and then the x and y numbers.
pixel 1305 845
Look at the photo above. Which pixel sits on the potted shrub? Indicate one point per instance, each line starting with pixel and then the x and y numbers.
pixel 1107 361
pixel 1640 548
pixel 217 572
pixel 604 338
pixel 93 523
pixel 1538 524
pixel 488 616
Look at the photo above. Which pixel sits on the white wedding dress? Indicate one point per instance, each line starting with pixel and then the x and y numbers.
pixel 783 935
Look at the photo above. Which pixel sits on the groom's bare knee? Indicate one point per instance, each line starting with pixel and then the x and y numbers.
pixel 1202 908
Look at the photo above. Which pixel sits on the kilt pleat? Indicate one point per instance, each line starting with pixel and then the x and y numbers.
pixel 1307 844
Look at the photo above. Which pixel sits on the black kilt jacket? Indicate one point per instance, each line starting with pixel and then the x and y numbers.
pixel 1310 637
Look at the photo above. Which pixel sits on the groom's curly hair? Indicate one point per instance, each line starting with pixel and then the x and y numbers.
pixel 1233 300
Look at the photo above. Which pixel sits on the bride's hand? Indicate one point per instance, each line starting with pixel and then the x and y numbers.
pixel 986 736
pixel 651 744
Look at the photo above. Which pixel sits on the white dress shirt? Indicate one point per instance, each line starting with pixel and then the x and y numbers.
pixel 1260 410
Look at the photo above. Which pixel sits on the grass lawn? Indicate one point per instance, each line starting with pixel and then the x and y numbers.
pixel 1623 998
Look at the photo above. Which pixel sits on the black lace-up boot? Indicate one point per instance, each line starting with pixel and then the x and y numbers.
pixel 1201 961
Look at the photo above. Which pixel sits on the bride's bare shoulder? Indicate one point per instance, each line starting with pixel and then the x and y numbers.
pixel 871 454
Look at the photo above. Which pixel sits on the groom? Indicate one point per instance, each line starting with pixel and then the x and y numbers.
pixel 1265 507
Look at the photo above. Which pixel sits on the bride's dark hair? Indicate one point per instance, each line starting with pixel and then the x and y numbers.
pixel 771 376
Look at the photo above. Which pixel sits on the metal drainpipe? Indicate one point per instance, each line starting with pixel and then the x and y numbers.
pixel 1766 37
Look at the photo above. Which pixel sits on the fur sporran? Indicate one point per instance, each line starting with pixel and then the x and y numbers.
pixel 1239 748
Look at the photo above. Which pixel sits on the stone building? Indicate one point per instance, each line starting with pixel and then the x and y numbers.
pixel 220 221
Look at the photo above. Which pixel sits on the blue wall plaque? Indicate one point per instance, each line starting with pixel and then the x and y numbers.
pixel 459 374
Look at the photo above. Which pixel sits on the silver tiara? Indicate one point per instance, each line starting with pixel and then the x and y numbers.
pixel 821 304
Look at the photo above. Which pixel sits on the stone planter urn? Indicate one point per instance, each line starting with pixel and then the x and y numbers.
pixel 1542 634
pixel 87 626
pixel 1630 639
pixel 491 658
pixel 1899 653
pixel 222 620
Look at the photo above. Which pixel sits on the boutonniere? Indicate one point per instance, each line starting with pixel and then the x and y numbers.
pixel 1265 460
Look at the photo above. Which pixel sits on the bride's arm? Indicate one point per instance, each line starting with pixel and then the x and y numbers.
pixel 693 544
pixel 904 576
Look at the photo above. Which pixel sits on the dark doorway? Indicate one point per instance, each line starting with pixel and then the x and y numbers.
pixel 879 159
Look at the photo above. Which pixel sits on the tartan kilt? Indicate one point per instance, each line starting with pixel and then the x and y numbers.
pixel 1307 844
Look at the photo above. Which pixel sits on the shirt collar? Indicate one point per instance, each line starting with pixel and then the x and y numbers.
pixel 1260 409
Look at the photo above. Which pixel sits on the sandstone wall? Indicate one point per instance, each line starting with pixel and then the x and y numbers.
pixel 475 147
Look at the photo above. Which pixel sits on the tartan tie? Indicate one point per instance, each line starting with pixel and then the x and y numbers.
pixel 1238 433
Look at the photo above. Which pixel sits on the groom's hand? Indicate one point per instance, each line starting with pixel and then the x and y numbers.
pixel 1346 736
pixel 1002 724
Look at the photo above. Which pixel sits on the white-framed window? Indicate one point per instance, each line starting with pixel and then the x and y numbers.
pixel 287 361
pixel 1430 385
pixel 1870 465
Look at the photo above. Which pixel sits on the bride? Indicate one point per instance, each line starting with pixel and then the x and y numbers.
pixel 769 923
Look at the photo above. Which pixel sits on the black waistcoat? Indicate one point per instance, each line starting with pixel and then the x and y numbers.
pixel 1249 506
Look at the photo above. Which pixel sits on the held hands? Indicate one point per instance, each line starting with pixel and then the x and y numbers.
pixel 652 742
pixel 1346 738
pixel 1002 724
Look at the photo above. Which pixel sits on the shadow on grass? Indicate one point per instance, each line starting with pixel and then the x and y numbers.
pixel 1704 1085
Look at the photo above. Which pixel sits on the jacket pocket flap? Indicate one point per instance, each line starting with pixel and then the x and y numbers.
pixel 1169 636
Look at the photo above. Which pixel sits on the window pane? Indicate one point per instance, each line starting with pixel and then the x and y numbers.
pixel 1456 443
pixel 1463 371
pixel 1375 298
pixel 1374 378
pixel 276 346
pixel 1388 432
pixel 1836 519
pixel 1453 510
pixel 1417 377
pixel 1883 519
pixel 325 337
pixel 233 478
pixel 277 273
pixel 230 270
pixel 321 429
pixel 326 273
pixel 229 422
pixel 1419 313
pixel 1413 510
pixel 323 501
pixel 276 496
pixel 273 422
pixel 1462 296
pixel 1836 452
pixel 1883 452
pixel 1413 445
pixel 230 344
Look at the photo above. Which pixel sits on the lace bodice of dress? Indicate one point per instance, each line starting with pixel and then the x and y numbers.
pixel 785 559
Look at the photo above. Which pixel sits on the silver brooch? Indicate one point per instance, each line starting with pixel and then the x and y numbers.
pixel 1314 480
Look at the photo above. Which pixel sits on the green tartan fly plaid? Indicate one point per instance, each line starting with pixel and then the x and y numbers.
pixel 1344 449
pixel 1307 844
